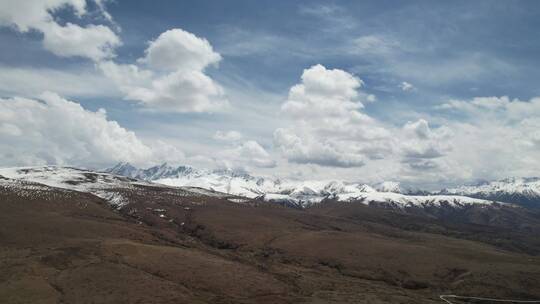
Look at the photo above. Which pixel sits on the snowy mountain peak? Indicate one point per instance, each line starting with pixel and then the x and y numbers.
pixel 163 170
pixel 165 173
pixel 124 168
pixel 110 187
pixel 389 186
pixel 299 193
pixel 366 188
pixel 302 193
pixel 519 190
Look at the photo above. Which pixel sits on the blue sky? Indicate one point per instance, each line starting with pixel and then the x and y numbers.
pixel 411 91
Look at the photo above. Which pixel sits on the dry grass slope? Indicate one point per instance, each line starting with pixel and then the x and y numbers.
pixel 168 247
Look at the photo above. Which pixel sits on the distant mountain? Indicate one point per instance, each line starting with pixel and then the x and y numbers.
pixel 115 189
pixel 288 192
pixel 521 191
pixel 389 186
pixel 152 173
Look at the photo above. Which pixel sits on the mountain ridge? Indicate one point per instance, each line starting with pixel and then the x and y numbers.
pixel 293 193
pixel 523 191
pixel 114 188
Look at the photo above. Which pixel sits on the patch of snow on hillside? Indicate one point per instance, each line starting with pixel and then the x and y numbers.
pixel 524 186
pixel 99 184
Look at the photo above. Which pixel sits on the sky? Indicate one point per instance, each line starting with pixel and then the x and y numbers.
pixel 427 93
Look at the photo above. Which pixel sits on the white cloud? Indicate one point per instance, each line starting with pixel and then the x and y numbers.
pixel 418 128
pixel 33 14
pixel 172 78
pixel 482 138
pixel 329 128
pixel 178 50
pixel 96 42
pixel 128 77
pixel 308 150
pixel 182 92
pixel 228 136
pixel 495 137
pixel 422 147
pixel 249 153
pixel 54 130
pixel 405 86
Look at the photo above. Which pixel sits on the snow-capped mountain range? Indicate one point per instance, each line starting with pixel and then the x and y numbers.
pixel 522 191
pixel 244 184
pixel 237 183
pixel 302 193
pixel 114 189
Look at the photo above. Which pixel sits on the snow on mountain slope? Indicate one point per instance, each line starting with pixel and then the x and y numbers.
pixel 273 190
pixel 99 184
pixel 523 191
pixel 298 193
pixel 389 186
pixel 368 196
pixel 29 189
pixel 152 173
pixel 237 182
pixel 109 187
pixel 402 200
pixel 113 188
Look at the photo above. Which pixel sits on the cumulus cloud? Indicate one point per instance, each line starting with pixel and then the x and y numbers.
pixel 481 138
pixel 96 42
pixel 177 49
pixel 313 151
pixel 422 142
pixel 249 153
pixel 323 92
pixel 227 136
pixel 171 76
pixel 53 130
pixel 418 128
pixel 329 128
pixel 495 137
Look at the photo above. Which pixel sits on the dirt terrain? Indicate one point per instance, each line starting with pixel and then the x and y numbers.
pixel 170 246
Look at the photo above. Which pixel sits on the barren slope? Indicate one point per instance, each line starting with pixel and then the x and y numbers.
pixel 172 246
